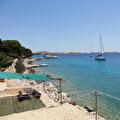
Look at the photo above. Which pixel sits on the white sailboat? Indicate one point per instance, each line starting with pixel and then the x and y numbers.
pixel 100 56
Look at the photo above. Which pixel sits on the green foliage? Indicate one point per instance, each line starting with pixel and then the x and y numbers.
pixel 0 44
pixel 26 52
pixel 20 68
pixel 14 49
pixel 5 60
pixel 11 49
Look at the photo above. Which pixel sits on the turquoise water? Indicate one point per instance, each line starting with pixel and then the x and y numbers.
pixel 83 73
pixel 13 75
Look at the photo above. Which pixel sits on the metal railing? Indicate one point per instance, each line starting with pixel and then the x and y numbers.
pixel 104 105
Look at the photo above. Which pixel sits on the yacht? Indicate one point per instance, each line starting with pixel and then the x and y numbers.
pixel 100 56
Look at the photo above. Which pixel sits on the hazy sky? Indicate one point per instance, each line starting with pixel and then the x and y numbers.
pixel 61 25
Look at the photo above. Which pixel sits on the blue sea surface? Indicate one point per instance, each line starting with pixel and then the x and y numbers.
pixel 81 72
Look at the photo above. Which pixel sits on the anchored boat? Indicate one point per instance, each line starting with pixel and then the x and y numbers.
pixel 49 56
pixel 43 65
pixel 100 56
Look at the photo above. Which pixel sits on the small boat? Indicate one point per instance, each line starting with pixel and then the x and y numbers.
pixel 91 55
pixel 55 56
pixel 100 56
pixel 43 65
pixel 49 56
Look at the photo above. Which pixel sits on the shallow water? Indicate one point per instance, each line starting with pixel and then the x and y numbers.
pixel 82 73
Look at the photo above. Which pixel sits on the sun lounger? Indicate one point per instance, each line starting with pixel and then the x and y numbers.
pixel 36 94
pixel 22 97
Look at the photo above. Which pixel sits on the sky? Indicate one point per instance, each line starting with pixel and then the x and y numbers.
pixel 61 25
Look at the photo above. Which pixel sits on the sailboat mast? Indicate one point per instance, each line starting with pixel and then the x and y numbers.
pixel 100 57
pixel 100 44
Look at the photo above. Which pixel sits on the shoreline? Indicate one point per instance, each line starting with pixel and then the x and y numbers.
pixel 68 99
pixel 50 95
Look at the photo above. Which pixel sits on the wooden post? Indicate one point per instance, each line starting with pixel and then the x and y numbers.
pixel 96 107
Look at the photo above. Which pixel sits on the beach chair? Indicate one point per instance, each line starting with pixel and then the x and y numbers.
pixel 22 97
pixel 36 94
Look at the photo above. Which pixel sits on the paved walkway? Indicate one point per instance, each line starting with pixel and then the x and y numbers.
pixel 64 112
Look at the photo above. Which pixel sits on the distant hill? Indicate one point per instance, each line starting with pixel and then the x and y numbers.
pixel 47 52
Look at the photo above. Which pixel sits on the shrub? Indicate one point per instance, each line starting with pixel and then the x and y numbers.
pixel 5 60
pixel 20 68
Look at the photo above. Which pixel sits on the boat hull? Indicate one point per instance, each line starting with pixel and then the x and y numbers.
pixel 100 59
pixel 50 57
pixel 91 55
pixel 43 65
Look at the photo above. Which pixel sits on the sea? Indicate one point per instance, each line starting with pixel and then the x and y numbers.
pixel 83 75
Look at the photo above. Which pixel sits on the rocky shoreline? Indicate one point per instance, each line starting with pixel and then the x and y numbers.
pixel 54 93
pixel 51 90
pixel 50 95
